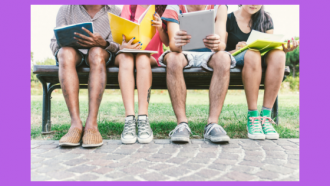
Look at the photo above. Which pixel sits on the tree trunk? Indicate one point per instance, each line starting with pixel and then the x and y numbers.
pixel 293 71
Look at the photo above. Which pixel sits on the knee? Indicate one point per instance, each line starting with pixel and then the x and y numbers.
pixel 142 62
pixel 220 61
pixel 96 56
pixel 174 61
pixel 252 59
pixel 276 59
pixel 66 56
pixel 125 61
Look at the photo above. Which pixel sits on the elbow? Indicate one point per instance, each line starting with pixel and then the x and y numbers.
pixel 166 44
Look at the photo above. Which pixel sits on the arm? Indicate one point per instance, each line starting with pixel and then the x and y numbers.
pixel 220 26
pixel 217 41
pixel 177 38
pixel 157 22
pixel 60 21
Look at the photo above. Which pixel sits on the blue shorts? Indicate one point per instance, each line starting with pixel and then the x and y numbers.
pixel 84 57
pixel 240 59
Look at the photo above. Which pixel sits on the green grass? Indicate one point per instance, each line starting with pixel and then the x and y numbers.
pixel 161 115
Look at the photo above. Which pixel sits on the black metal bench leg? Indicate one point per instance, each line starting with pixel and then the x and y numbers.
pixel 45 107
pixel 275 111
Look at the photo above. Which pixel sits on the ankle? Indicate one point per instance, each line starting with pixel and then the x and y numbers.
pixel 76 123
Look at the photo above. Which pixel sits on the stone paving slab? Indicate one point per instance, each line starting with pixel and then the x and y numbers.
pixel 161 160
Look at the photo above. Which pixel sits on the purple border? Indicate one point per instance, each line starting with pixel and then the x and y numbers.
pixel 15 97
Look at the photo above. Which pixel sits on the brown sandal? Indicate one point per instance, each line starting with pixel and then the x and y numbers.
pixel 92 138
pixel 72 138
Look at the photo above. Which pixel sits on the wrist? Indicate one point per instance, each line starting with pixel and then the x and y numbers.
pixel 105 44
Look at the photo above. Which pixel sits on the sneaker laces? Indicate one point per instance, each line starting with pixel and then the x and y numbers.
pixel 180 127
pixel 266 125
pixel 143 127
pixel 215 126
pixel 255 124
pixel 129 127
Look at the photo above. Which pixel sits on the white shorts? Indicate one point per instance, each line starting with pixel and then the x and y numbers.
pixel 197 59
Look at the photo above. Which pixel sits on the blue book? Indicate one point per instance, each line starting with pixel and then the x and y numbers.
pixel 64 35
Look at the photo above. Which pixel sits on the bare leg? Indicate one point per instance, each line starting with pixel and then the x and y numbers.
pixel 143 81
pixel 275 61
pixel 97 81
pixel 220 62
pixel 125 62
pixel 68 58
pixel 175 62
pixel 251 76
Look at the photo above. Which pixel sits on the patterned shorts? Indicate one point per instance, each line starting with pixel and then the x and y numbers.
pixel 197 59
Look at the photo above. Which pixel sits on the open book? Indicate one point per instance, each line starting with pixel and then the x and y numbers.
pixel 262 42
pixel 142 31
pixel 64 35
pixel 127 50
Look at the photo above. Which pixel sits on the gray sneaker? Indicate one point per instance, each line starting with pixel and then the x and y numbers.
pixel 215 133
pixel 129 133
pixel 181 133
pixel 145 134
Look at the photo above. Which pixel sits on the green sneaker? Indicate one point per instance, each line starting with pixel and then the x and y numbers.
pixel 254 125
pixel 267 127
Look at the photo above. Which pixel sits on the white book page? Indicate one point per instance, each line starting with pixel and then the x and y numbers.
pixel 144 13
pixel 255 35
pixel 127 50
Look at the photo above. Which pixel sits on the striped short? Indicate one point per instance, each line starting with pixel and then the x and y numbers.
pixel 197 59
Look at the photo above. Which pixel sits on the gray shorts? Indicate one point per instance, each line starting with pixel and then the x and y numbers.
pixel 84 57
pixel 197 59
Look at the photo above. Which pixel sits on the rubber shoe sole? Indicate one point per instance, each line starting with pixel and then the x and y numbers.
pixel 272 136
pixel 128 141
pixel 218 139
pixel 92 145
pixel 146 140
pixel 180 139
pixel 69 144
pixel 256 136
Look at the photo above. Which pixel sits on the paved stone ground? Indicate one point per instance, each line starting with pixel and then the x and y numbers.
pixel 240 160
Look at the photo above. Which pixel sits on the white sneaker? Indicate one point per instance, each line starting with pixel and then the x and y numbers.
pixel 145 134
pixel 129 134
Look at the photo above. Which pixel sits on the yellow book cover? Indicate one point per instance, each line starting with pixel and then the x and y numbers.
pixel 142 31
pixel 262 46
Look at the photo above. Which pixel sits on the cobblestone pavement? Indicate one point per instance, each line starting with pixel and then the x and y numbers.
pixel 240 160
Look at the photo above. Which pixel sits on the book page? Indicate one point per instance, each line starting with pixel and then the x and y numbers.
pixel 255 35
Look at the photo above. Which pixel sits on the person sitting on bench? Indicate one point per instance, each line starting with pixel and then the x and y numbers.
pixel 97 57
pixel 212 58
pixel 239 26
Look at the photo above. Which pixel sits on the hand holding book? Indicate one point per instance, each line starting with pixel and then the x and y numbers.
pixel 240 45
pixel 94 39
pixel 212 42
pixel 290 47
pixel 181 38
pixel 157 22
pixel 129 44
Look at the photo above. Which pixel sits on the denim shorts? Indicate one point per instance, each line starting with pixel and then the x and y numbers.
pixel 240 59
pixel 84 57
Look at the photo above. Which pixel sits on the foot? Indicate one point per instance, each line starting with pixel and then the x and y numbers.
pixel 181 133
pixel 72 138
pixel 254 125
pixel 92 138
pixel 215 133
pixel 145 134
pixel 129 134
pixel 267 126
